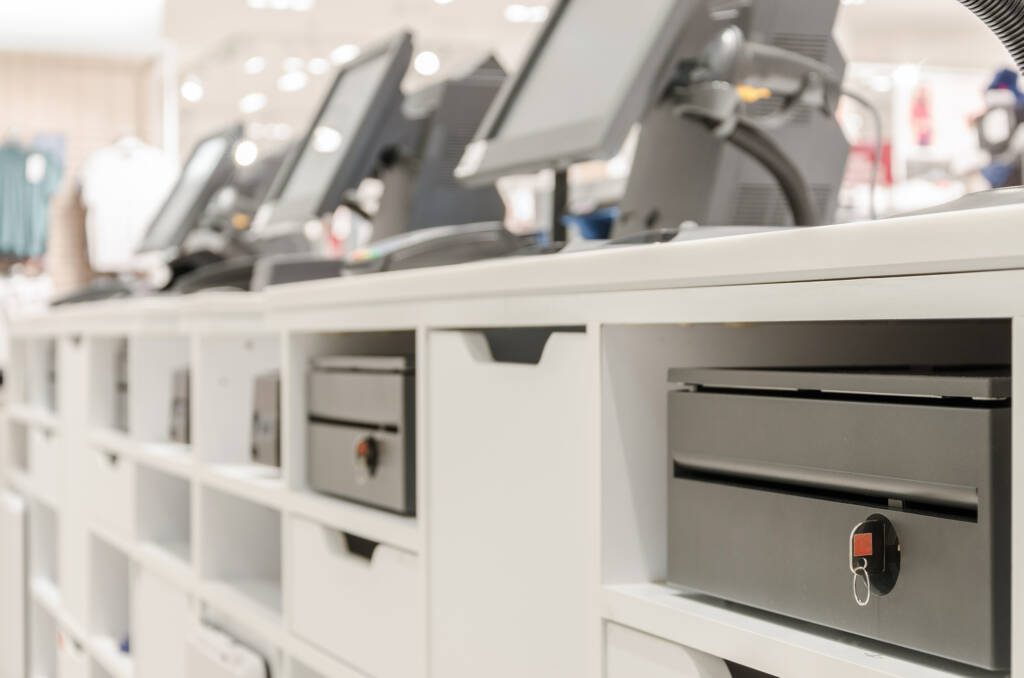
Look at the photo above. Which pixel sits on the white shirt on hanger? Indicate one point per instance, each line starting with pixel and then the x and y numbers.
pixel 123 185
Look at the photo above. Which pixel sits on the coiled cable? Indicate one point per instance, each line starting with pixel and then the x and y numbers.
pixel 1005 18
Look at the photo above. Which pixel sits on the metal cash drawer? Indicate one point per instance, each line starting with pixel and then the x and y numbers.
pixel 362 430
pixel 872 502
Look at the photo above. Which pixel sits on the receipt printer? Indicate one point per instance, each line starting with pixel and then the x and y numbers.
pixel 362 430
pixel 266 419
pixel 876 502
pixel 180 416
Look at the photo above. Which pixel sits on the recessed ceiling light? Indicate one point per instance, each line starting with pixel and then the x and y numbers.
pixel 443 2
pixel 427 63
pixel 246 152
pixel 255 65
pixel 342 54
pixel 326 139
pixel 282 5
pixel 526 14
pixel 252 102
pixel 192 89
pixel 318 66
pixel 292 82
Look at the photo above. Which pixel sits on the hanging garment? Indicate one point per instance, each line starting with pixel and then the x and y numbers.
pixel 123 185
pixel 28 180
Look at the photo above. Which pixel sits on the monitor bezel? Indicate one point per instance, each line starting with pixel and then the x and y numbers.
pixel 491 157
pixel 220 175
pixel 355 163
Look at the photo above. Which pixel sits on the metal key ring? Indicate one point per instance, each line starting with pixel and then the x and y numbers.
pixel 862 572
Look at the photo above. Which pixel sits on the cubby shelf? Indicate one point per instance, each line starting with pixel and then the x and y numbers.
pixel 108 655
pixel 262 485
pixel 32 415
pixel 763 641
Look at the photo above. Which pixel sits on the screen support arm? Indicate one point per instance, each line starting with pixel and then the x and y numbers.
pixel 559 206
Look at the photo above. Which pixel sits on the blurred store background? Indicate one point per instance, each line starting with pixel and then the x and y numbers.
pixel 84 92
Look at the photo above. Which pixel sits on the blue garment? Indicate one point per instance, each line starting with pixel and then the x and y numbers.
pixel 25 204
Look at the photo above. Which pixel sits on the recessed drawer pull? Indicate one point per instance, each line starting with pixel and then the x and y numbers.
pixel 360 546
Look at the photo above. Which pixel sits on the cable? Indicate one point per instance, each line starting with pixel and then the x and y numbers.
pixel 752 140
pixel 876 161
pixel 1004 18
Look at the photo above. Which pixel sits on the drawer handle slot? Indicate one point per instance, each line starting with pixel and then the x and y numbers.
pixel 941 501
pixel 521 345
pixel 360 546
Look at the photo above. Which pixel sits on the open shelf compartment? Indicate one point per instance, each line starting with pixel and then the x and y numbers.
pixel 228 371
pixel 110 591
pixel 164 504
pixel 635 464
pixel 241 549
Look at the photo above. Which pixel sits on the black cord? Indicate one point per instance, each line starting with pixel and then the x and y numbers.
pixel 756 143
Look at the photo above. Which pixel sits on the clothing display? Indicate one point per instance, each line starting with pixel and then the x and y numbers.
pixel 29 177
pixel 123 185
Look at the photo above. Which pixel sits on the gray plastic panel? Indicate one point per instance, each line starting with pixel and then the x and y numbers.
pixel 358 396
pixel 977 383
pixel 768 487
pixel 332 467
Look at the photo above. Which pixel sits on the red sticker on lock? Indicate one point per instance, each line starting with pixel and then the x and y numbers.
pixel 863 545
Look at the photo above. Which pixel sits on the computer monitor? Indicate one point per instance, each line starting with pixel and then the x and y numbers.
pixel 339 148
pixel 595 70
pixel 600 67
pixel 208 168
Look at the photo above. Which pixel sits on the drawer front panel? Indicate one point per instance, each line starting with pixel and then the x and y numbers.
pixel 333 466
pixel 365 397
pixel 366 611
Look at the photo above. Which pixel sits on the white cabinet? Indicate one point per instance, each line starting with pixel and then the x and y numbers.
pixel 72 658
pixel 109 483
pixel 509 505
pixel 160 621
pixel 12 586
pixel 632 654
pixel 358 600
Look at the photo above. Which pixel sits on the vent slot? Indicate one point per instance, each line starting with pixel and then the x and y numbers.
pixel 919 498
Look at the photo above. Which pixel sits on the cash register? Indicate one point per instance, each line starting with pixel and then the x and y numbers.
pixel 367 128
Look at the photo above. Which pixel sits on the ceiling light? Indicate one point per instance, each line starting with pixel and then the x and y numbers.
pixel 853 2
pixel 326 139
pixel 292 82
pixel 246 153
pixel 342 54
pixel 427 63
pixel 282 5
pixel 318 66
pixel 281 131
pixel 252 102
pixel 255 65
pixel 443 2
pixel 526 14
pixel 192 89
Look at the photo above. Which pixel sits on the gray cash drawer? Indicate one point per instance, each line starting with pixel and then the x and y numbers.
pixel 773 469
pixel 362 430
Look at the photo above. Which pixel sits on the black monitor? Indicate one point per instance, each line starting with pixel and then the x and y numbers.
pixel 209 167
pixel 601 67
pixel 339 148
pixel 594 71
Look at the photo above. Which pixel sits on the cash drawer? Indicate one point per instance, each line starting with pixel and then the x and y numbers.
pixel 874 502
pixel 362 433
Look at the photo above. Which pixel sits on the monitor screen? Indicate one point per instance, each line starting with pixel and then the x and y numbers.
pixel 333 155
pixel 591 75
pixel 207 168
